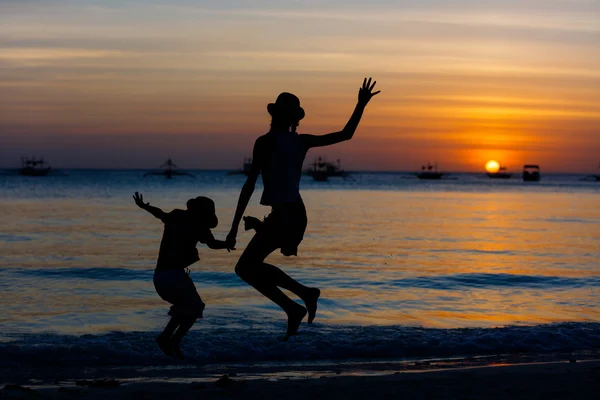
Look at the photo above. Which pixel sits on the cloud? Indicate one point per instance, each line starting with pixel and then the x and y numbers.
pixel 39 56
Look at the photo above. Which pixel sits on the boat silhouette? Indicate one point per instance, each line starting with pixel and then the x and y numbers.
pixel 531 173
pixel 429 172
pixel 169 170
pixel 500 174
pixel 34 167
pixel 245 169
pixel 321 170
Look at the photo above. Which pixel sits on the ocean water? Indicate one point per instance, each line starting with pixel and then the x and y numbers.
pixel 407 268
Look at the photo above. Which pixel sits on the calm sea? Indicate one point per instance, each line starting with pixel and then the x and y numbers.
pixel 407 268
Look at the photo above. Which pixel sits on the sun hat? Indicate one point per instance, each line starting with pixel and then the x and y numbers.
pixel 287 105
pixel 205 207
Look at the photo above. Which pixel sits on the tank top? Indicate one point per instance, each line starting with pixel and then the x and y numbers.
pixel 282 168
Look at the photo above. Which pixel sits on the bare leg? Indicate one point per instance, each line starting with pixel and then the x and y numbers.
pixel 294 311
pixel 185 325
pixel 281 279
pixel 164 339
pixel 266 278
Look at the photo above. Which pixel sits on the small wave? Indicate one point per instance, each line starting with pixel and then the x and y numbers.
pixel 462 281
pixel 438 282
pixel 224 279
pixel 475 281
pixel 473 251
pixel 96 273
pixel 14 238
pixel 318 342
pixel 571 220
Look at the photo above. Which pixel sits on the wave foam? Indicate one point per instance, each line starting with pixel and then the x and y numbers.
pixel 222 345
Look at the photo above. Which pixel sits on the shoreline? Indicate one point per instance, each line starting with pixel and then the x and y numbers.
pixel 556 380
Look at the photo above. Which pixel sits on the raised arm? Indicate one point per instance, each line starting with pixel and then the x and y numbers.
pixel 247 191
pixel 139 200
pixel 365 94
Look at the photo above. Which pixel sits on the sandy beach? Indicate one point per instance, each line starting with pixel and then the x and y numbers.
pixel 558 380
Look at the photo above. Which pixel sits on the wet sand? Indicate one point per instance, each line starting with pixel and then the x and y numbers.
pixel 559 380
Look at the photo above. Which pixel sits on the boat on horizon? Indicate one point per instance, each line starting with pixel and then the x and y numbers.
pixel 169 170
pixel 592 178
pixel 34 167
pixel 531 173
pixel 321 170
pixel 245 169
pixel 429 172
pixel 500 174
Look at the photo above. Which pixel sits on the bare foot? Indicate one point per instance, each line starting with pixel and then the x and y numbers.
pixel 165 345
pixel 176 349
pixel 311 303
pixel 294 320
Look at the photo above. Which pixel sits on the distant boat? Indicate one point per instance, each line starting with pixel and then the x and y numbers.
pixel 429 172
pixel 593 178
pixel 34 167
pixel 321 170
pixel 245 169
pixel 531 173
pixel 169 170
pixel 500 174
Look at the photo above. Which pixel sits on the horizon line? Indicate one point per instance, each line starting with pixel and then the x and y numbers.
pixel 238 169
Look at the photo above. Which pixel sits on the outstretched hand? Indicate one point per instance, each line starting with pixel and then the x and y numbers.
pixel 366 92
pixel 139 200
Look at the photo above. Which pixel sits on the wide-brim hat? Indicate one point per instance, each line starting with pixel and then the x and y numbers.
pixel 287 106
pixel 206 208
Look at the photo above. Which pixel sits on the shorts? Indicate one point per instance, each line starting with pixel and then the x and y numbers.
pixel 286 226
pixel 176 287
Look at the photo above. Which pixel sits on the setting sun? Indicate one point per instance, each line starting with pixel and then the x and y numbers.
pixel 492 166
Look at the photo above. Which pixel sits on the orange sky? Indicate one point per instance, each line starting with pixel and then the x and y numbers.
pixel 102 84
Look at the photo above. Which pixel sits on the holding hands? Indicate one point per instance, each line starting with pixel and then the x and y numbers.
pixel 249 223
pixel 231 239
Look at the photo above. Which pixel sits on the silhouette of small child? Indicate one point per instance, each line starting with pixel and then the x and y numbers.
pixel 183 230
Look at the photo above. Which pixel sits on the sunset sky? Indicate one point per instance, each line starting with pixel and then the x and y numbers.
pixel 126 84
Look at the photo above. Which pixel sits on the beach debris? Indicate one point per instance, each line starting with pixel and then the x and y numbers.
pixel 99 383
pixel 226 382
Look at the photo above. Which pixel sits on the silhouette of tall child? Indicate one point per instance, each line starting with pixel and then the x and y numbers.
pixel 278 156
pixel 183 230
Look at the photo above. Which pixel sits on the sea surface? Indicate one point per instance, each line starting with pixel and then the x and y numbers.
pixel 460 267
